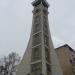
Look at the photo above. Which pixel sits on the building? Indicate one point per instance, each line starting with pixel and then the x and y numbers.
pixel 66 57
pixel 40 57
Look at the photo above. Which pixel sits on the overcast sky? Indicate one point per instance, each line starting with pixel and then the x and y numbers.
pixel 16 22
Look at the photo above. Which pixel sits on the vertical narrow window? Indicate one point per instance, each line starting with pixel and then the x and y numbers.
pixel 46 40
pixel 45 20
pixel 37 19
pixel 36 69
pixel 45 24
pixel 45 11
pixel 36 11
pixel 36 39
pixel 36 28
pixel 36 53
pixel 47 54
pixel 48 69
pixel 45 28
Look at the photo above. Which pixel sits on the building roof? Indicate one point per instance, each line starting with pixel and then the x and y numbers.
pixel 65 45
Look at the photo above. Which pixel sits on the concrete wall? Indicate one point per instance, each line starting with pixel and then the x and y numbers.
pixel 64 56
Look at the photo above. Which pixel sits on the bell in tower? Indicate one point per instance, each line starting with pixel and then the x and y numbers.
pixel 40 57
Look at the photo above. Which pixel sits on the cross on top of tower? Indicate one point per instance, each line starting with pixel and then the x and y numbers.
pixel 37 2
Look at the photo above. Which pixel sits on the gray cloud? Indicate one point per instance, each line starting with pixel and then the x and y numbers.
pixel 16 21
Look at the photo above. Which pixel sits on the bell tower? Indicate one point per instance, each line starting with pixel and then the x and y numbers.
pixel 40 57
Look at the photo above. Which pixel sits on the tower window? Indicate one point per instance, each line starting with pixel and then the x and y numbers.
pixel 48 69
pixel 36 69
pixel 45 11
pixel 36 11
pixel 45 19
pixel 46 40
pixel 36 53
pixel 37 19
pixel 36 28
pixel 47 54
pixel 45 28
pixel 36 39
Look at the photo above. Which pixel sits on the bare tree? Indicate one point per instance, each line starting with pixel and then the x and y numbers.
pixel 9 64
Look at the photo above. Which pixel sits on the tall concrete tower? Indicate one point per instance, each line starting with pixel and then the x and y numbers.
pixel 40 57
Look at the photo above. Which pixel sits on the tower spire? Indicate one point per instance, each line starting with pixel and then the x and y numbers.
pixel 37 2
pixel 40 57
